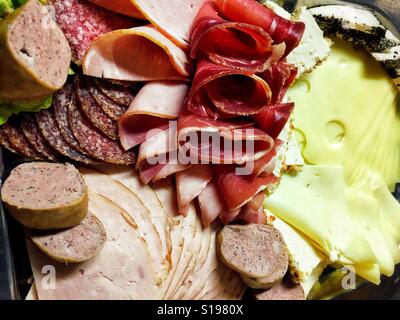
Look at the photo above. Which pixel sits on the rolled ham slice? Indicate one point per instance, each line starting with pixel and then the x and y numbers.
pixel 173 17
pixel 124 7
pixel 232 44
pixel 137 54
pixel 203 140
pixel 238 190
pixel 153 107
pixel 222 92
pixel 279 78
pixel 280 29
pixel 190 183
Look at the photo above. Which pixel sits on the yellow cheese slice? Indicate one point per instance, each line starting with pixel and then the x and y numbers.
pixel 346 115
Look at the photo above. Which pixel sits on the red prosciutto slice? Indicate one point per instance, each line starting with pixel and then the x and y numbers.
pixel 227 216
pixel 280 29
pixel 279 78
pixel 156 104
pixel 274 118
pixel 190 183
pixel 203 140
pixel 124 7
pixel 267 163
pixel 238 190
pixel 232 44
pixel 222 92
pixel 173 17
pixel 137 54
pixel 253 211
pixel 211 203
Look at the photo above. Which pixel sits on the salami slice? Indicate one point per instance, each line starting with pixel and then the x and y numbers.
pixel 119 93
pixel 60 108
pixel 52 134
pixel 93 111
pixel 95 143
pixel 35 138
pixel 82 22
pixel 5 142
pixel 112 109
pixel 19 142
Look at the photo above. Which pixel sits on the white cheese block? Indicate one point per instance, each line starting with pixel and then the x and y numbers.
pixel 306 261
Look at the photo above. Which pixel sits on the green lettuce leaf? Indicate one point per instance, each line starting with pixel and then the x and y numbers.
pixel 9 108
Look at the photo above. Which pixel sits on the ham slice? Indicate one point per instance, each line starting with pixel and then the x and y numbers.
pixel 211 204
pixel 173 17
pixel 267 163
pixel 156 152
pixel 273 118
pixel 98 279
pixel 153 107
pixel 238 190
pixel 190 183
pixel 137 54
pixel 125 7
pixel 227 216
pixel 169 169
pixel 222 92
pixel 232 44
pixel 280 29
pixel 279 78
pixel 203 140
pixel 253 211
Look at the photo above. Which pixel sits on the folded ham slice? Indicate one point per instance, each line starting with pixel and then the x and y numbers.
pixel 156 152
pixel 252 12
pixel 173 17
pixel 273 118
pixel 154 106
pixel 125 7
pixel 211 203
pixel 190 183
pixel 203 140
pixel 222 92
pixel 232 44
pixel 238 190
pixel 137 54
pixel 253 211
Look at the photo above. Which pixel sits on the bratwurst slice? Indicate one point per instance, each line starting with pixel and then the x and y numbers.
pixel 73 245
pixel 46 196
pixel 34 54
pixel 253 250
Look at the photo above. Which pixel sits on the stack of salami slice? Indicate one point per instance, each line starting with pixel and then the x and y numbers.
pixel 80 126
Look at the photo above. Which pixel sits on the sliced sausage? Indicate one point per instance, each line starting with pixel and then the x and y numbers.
pixel 121 94
pixel 18 141
pixel 35 138
pixel 73 245
pixel 254 250
pixel 61 101
pixel 52 134
pixel 93 112
pixel 34 50
pixel 284 290
pixel 46 196
pixel 112 109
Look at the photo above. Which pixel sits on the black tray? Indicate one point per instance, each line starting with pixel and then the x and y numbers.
pixel 15 270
